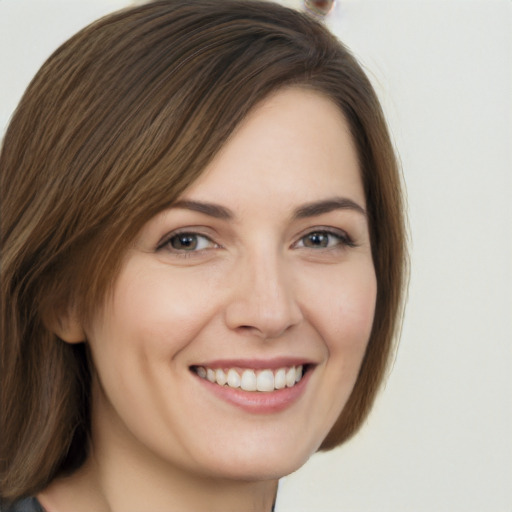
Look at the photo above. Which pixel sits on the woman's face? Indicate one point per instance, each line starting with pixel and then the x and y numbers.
pixel 261 275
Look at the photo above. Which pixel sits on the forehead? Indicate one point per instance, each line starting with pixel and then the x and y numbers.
pixel 293 147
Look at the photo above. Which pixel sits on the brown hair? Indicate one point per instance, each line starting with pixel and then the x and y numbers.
pixel 118 122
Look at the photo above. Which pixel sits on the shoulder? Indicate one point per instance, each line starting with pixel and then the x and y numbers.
pixel 25 505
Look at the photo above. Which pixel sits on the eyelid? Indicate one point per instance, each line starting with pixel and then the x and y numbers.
pixel 196 231
pixel 345 239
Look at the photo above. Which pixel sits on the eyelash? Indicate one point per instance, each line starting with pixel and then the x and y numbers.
pixel 342 238
pixel 183 253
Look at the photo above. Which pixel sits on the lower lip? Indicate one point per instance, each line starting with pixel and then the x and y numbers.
pixel 259 402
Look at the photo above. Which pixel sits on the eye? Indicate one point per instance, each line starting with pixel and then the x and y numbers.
pixel 187 242
pixel 324 239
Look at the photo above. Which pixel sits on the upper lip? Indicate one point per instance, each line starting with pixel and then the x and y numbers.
pixel 257 364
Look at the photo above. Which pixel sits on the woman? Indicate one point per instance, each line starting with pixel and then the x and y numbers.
pixel 202 260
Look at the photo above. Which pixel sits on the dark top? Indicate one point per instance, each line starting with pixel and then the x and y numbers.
pixel 32 505
pixel 25 505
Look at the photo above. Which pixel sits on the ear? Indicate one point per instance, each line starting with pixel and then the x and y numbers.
pixel 66 326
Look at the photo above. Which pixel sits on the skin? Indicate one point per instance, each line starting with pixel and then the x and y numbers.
pixel 257 286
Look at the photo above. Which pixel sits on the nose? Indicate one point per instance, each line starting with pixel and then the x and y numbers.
pixel 262 301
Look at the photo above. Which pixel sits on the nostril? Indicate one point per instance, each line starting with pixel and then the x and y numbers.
pixel 264 331
pixel 263 310
pixel 249 329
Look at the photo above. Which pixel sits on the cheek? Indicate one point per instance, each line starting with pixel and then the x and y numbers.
pixel 159 311
pixel 343 309
pixel 351 310
pixel 352 316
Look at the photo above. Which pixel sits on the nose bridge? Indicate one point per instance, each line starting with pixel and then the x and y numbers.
pixel 263 299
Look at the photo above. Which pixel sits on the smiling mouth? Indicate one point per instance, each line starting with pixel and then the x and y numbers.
pixel 264 380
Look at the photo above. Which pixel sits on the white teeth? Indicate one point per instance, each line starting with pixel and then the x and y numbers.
pixel 249 380
pixel 220 377
pixel 233 379
pixel 265 381
pixel 252 380
pixel 290 377
pixel 210 375
pixel 280 378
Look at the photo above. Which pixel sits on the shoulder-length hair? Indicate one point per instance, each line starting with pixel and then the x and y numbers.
pixel 118 122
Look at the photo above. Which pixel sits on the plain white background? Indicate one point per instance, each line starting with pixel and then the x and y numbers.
pixel 439 438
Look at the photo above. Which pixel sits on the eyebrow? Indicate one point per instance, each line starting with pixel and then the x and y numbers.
pixel 308 210
pixel 327 205
pixel 213 210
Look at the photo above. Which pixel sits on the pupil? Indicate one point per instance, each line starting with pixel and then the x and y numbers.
pixel 184 241
pixel 317 240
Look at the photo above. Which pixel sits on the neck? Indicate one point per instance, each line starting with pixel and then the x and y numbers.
pixel 121 475
pixel 131 490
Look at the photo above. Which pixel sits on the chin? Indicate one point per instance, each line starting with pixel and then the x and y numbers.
pixel 260 460
pixel 254 471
